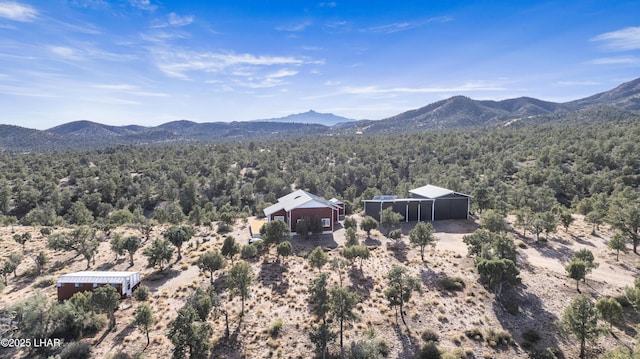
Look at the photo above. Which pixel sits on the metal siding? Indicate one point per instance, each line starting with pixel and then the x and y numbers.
pixel 425 211
pixel 459 208
pixel 372 209
pixel 401 208
pixel 413 211
pixel 442 209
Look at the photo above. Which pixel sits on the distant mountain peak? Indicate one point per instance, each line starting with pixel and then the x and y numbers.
pixel 311 117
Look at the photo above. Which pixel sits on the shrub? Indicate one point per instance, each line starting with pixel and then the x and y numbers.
pixel 395 234
pixel 141 293
pixel 76 350
pixel 430 335
pixel 511 304
pixel 383 348
pixel 474 333
pixel 45 282
pixel 275 328
pixel 248 251
pixel 531 335
pixel 495 338
pixel 430 351
pixel 452 283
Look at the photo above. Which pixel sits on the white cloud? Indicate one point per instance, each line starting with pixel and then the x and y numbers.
pixel 407 25
pixel 619 60
pixel 283 73
pixel 621 40
pixel 17 12
pixel 177 20
pixel 119 87
pixel 577 83
pixel 467 87
pixel 65 52
pixel 178 64
pixel 129 89
pixel 327 4
pixel 295 27
pixel 143 5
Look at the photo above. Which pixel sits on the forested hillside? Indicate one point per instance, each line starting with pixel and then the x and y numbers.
pixel 73 210
pixel 537 166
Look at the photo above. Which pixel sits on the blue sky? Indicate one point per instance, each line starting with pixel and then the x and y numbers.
pixel 149 61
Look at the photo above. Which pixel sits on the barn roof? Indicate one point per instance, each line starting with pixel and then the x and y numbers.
pixel 296 199
pixel 431 191
pixel 102 277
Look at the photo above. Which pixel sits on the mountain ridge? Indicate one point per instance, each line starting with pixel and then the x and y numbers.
pixel 454 112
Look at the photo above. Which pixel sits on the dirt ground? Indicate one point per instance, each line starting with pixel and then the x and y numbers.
pixel 280 292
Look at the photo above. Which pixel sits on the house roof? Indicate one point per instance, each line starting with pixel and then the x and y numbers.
pixel 335 201
pixel 102 277
pixel 431 191
pixel 296 199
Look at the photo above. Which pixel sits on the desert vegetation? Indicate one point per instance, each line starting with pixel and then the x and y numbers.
pixel 506 283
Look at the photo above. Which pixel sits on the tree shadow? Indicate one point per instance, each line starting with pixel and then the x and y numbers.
pixel 409 349
pixel 230 347
pixel 157 279
pixel 119 338
pixel 399 250
pixel 581 240
pixel 520 312
pixel 546 249
pixel 271 276
pixel 302 247
pixel 359 283
pixel 373 242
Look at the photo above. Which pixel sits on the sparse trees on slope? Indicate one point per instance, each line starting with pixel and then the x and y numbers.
pixel 627 221
pixel 81 240
pixel 284 249
pixel 566 218
pixel 320 296
pixel 275 232
pixel 230 248
pixel 106 298
pixel 498 272
pixel 131 244
pixel 400 287
pixel 421 236
pixel 493 222
pixel 343 301
pixel 159 253
pixel 390 219
pixel 144 319
pixel 577 269
pixel 239 281
pixel 211 261
pixel 178 235
pixel 581 319
pixel 610 310
pixel 318 258
pixel 618 243
pixel 189 335
pixel 368 224
pixel 588 258
pixel 22 239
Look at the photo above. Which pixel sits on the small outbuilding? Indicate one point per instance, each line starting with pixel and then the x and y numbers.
pixel 86 281
pixel 427 203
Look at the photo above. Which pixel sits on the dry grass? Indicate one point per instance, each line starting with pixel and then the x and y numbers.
pixel 285 297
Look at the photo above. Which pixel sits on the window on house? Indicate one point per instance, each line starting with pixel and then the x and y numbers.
pixel 326 222
pixel 95 285
pixel 278 218
pixel 77 285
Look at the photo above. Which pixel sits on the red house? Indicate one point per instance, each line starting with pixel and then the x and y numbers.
pixel 296 206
